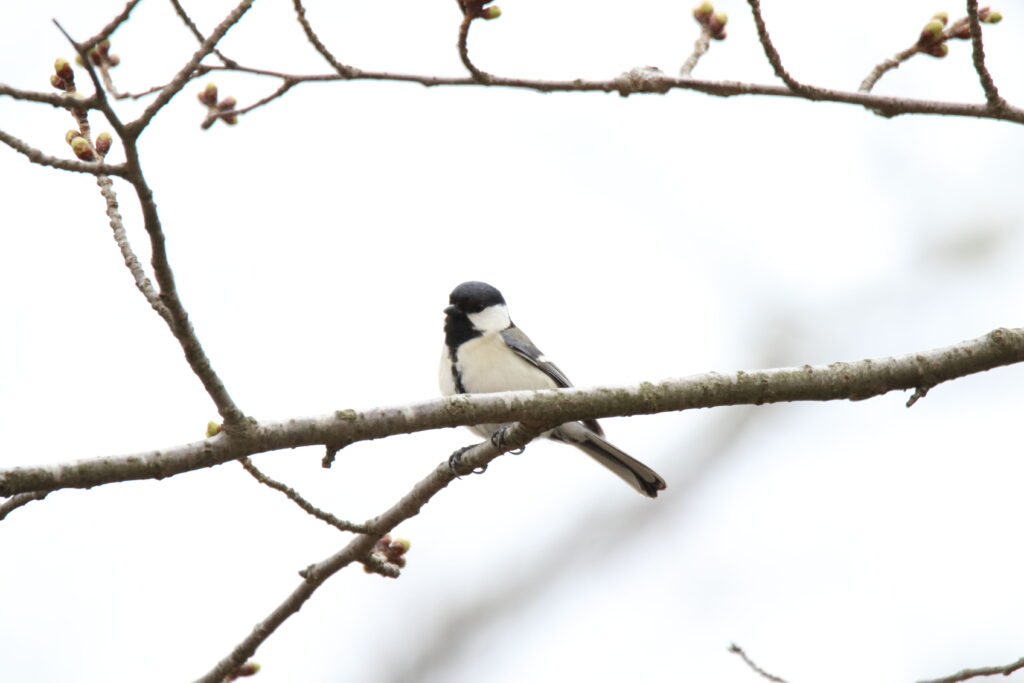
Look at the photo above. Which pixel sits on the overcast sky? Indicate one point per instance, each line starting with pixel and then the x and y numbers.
pixel 638 238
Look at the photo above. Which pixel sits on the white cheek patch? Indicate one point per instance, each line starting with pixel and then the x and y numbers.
pixel 492 319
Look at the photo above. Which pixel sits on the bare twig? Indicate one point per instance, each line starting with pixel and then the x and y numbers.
pixel 343 70
pixel 142 282
pixel 967 674
pixel 358 549
pixel 857 380
pixel 296 498
pixel 893 62
pixel 700 47
pixel 995 100
pixel 183 15
pixel 109 29
pixel 774 59
pixel 737 650
pixel 17 501
pixel 478 75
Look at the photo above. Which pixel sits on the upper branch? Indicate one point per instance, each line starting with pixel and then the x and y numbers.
pixel 109 29
pixel 854 381
pixel 186 72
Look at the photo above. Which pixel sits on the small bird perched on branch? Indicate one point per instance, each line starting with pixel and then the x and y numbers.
pixel 484 352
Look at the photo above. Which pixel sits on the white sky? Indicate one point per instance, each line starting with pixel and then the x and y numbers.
pixel 635 239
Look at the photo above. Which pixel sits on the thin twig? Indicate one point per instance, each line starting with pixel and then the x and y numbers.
pixel 995 100
pixel 344 70
pixel 737 650
pixel 967 674
pixel 17 501
pixel 774 59
pixel 893 62
pixel 358 549
pixel 700 47
pixel 188 72
pixel 183 15
pixel 856 380
pixel 109 29
pixel 478 75
pixel 295 497
pixel 211 118
pixel 142 282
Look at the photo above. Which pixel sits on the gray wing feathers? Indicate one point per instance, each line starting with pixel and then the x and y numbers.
pixel 525 349
pixel 521 344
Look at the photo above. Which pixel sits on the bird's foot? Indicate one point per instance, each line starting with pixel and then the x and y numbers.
pixel 455 463
pixel 498 440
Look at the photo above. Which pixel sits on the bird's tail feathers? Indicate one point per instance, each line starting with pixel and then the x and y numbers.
pixel 626 467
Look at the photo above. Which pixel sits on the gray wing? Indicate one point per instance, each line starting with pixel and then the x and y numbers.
pixel 525 349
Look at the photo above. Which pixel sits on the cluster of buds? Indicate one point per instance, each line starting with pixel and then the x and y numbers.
pixel 250 668
pixel 712 21
pixel 100 56
pixel 389 550
pixel 63 76
pixel 223 110
pixel 934 35
pixel 84 150
pixel 477 9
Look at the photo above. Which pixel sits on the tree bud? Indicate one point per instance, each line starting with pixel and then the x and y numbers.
pixel 82 149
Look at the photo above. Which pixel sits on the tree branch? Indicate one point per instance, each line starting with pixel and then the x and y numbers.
pixel 17 501
pixel 995 100
pixel 186 73
pixel 855 380
pixel 109 29
pixel 343 70
pixel 737 650
pixel 966 674
pixel 773 55
pixel 296 498
pixel 359 547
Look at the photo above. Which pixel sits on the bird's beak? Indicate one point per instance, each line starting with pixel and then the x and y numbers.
pixel 452 310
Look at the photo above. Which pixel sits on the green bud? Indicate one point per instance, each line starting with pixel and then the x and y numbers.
pixel 62 68
pixel 932 31
pixel 941 16
pixel 938 50
pixel 993 18
pixel 492 12
pixel 703 12
pixel 58 82
pixel 82 149
pixel 208 95
pixel 212 429
pixel 71 135
pixel 250 668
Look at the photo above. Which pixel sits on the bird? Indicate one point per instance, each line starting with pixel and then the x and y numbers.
pixel 484 352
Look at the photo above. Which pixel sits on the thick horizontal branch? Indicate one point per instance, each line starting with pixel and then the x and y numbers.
pixel 853 381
